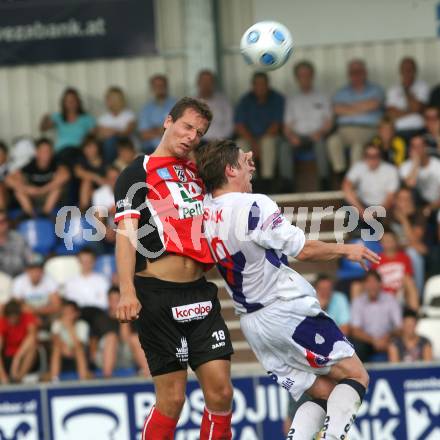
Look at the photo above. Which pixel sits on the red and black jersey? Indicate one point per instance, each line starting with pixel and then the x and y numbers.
pixel 166 195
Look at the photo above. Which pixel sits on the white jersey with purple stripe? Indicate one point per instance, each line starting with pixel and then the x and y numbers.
pixel 251 240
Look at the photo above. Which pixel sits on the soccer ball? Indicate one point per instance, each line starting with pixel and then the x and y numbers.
pixel 266 45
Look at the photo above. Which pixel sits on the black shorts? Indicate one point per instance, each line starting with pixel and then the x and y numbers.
pixel 99 321
pixel 180 324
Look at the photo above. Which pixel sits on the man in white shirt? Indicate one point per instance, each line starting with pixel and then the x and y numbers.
pixel 307 121
pixel 280 315
pixel 405 101
pixel 89 290
pixel 371 182
pixel 37 290
pixel 422 173
pixel 222 114
pixel 118 121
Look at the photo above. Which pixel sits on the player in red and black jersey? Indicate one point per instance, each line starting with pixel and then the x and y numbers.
pixel 161 256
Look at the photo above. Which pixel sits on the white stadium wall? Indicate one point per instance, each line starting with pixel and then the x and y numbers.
pixel 27 92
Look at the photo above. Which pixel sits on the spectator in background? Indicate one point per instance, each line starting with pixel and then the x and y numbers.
pixel 38 186
pixel 4 169
pixel 70 339
pixel 371 181
pixel 396 272
pixel 222 114
pixel 258 119
pixel 37 290
pixel 89 290
pixel 410 226
pixel 422 174
pixel 129 348
pixel 103 197
pixel 126 153
pixel 410 347
pixel 334 303
pixel 375 318
pixel 118 121
pixel 72 124
pixel 153 114
pixel 13 249
pixel 18 343
pixel 307 121
pixel 393 147
pixel 90 170
pixel 432 127
pixel 405 101
pixel 358 109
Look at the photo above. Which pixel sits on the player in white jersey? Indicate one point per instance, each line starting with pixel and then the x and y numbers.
pixel 280 316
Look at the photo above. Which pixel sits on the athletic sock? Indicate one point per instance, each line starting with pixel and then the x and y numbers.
pixel 342 406
pixel 158 426
pixel 216 426
pixel 308 420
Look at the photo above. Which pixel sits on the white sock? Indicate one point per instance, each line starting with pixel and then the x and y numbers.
pixel 308 420
pixel 342 406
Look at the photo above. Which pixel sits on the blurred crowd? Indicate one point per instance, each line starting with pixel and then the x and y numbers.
pixel 381 148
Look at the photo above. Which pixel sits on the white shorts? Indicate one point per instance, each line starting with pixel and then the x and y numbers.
pixel 295 340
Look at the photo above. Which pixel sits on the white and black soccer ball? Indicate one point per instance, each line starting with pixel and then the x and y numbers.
pixel 266 45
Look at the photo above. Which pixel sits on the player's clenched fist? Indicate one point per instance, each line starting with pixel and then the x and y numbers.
pixel 128 307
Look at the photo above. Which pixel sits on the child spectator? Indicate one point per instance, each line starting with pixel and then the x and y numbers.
pixel 375 317
pixel 90 169
pixel 18 343
pixel 118 121
pixel 37 290
pixel 70 337
pixel 410 347
pixel 393 147
pixel 410 227
pixel 13 248
pixel 4 168
pixel 38 186
pixel 72 124
pixel 396 272
pixel 334 303
pixel 432 127
pixel 126 153
pixel 89 290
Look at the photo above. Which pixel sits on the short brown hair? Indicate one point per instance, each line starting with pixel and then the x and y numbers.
pixel 212 160
pixel 196 104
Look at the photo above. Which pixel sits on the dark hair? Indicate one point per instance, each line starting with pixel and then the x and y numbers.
pixel 124 142
pixel 262 75
pixel 301 64
pixel 91 139
pixel 3 147
pixel 159 76
pixel 410 313
pixel 369 145
pixel 12 308
pixel 195 104
pixel 206 72
pixel 71 91
pixel 115 89
pixel 70 303
pixel 212 159
pixel 112 168
pixel 373 273
pixel 410 60
pixel 322 277
pixel 113 289
pixel 43 140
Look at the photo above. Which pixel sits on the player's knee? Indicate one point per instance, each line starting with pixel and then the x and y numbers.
pixel 172 404
pixel 219 398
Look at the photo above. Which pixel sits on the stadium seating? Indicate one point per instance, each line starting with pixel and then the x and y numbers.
pixel 430 328
pixel 106 264
pixel 5 287
pixel 431 297
pixel 62 268
pixel 39 234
